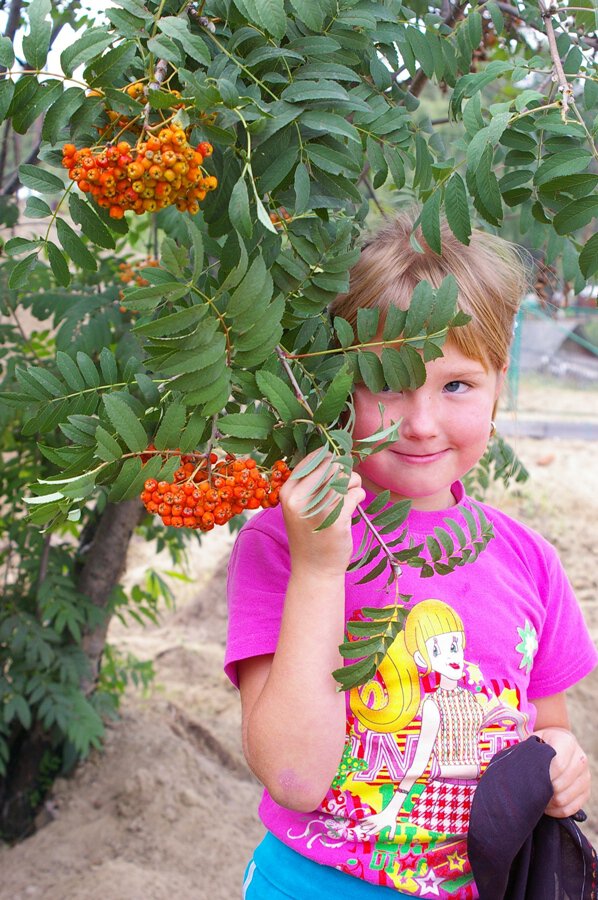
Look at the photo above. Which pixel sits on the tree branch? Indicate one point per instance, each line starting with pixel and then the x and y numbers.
pixel 559 73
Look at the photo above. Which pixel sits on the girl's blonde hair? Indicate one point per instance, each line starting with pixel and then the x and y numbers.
pixel 395 706
pixel 490 275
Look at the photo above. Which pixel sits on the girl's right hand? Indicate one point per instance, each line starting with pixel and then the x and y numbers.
pixel 326 552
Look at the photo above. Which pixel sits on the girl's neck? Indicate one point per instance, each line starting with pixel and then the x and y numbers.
pixel 423 504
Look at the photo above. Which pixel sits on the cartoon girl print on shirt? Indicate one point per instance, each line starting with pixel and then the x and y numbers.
pixel 433 640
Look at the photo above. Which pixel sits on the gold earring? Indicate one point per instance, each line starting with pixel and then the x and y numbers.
pixel 492 428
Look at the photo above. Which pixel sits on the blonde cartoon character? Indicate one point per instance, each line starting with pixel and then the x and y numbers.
pixel 433 640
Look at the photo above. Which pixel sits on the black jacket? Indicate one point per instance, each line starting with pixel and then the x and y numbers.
pixel 517 852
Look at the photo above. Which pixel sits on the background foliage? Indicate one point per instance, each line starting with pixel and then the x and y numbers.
pixel 318 113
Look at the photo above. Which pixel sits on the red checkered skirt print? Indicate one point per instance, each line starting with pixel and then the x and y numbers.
pixel 444 806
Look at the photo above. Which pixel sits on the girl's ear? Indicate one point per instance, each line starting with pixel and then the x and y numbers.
pixel 500 380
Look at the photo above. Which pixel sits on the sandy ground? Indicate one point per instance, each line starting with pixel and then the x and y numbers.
pixel 169 808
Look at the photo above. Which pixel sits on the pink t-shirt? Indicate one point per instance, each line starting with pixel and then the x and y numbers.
pixel 477 645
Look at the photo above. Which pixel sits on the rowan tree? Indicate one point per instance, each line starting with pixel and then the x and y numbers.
pixel 186 187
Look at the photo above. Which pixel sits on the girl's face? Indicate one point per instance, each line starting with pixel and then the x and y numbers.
pixel 445 652
pixel 445 426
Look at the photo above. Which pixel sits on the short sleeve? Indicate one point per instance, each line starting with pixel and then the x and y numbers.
pixel 258 575
pixel 566 652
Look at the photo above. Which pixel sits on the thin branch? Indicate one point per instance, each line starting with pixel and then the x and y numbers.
pixel 370 189
pixel 559 76
pixel 291 376
pixel 392 562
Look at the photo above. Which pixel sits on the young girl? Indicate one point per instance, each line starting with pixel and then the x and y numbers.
pixel 368 792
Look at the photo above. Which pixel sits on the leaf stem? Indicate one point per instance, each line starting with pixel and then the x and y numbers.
pixel 437 334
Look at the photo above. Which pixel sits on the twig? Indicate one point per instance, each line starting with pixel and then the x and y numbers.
pixel 559 73
pixel 395 567
pixel 298 392
pixel 370 189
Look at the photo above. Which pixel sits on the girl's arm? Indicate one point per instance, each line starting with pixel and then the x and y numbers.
pixel 569 770
pixel 293 715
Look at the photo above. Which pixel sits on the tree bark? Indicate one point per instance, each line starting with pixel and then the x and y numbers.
pixel 104 563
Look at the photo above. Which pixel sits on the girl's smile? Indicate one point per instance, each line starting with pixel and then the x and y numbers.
pixel 445 426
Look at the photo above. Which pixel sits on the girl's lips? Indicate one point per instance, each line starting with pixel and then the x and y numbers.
pixel 454 665
pixel 419 459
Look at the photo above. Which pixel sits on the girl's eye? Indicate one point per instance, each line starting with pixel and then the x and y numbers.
pixel 454 646
pixel 435 649
pixel 456 387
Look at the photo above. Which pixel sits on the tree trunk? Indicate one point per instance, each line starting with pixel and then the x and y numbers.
pixel 104 564
pixel 23 787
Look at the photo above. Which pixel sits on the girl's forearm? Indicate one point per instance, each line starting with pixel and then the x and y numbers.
pixel 296 729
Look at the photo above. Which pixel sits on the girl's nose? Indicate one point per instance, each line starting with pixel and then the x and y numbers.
pixel 419 418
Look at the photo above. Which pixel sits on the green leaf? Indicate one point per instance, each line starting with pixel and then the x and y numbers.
pixel 74 246
pixel 271 15
pixel 371 371
pixel 176 27
pixel 108 449
pixel 415 366
pixel 88 369
pixel 421 49
pixel 311 13
pixel 58 264
pixel 61 112
pixel 171 427
pixel 394 323
pixel 20 273
pixel 108 366
pixel 301 184
pixel 367 323
pixel 101 70
pixel 24 117
pixel 396 166
pixel 457 208
pixel 330 123
pixel 37 42
pixel 430 221
pixel 238 209
pixel 568 162
pixel 93 42
pixel 344 331
pixel 335 398
pixel 69 371
pixel 588 258
pixel 91 224
pixel 36 208
pixel 305 467
pixel 247 425
pixel 576 215
pixel 303 91
pixel 38 179
pixel 420 308
pixel 7 54
pixel 395 371
pixel 125 422
pixel 7 90
pixel 280 396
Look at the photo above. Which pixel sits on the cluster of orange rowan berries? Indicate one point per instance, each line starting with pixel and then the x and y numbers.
pixel 203 496
pixel 160 171
pixel 130 271
pixel 277 217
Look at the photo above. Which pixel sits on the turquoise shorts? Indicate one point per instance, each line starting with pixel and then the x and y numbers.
pixel 278 873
